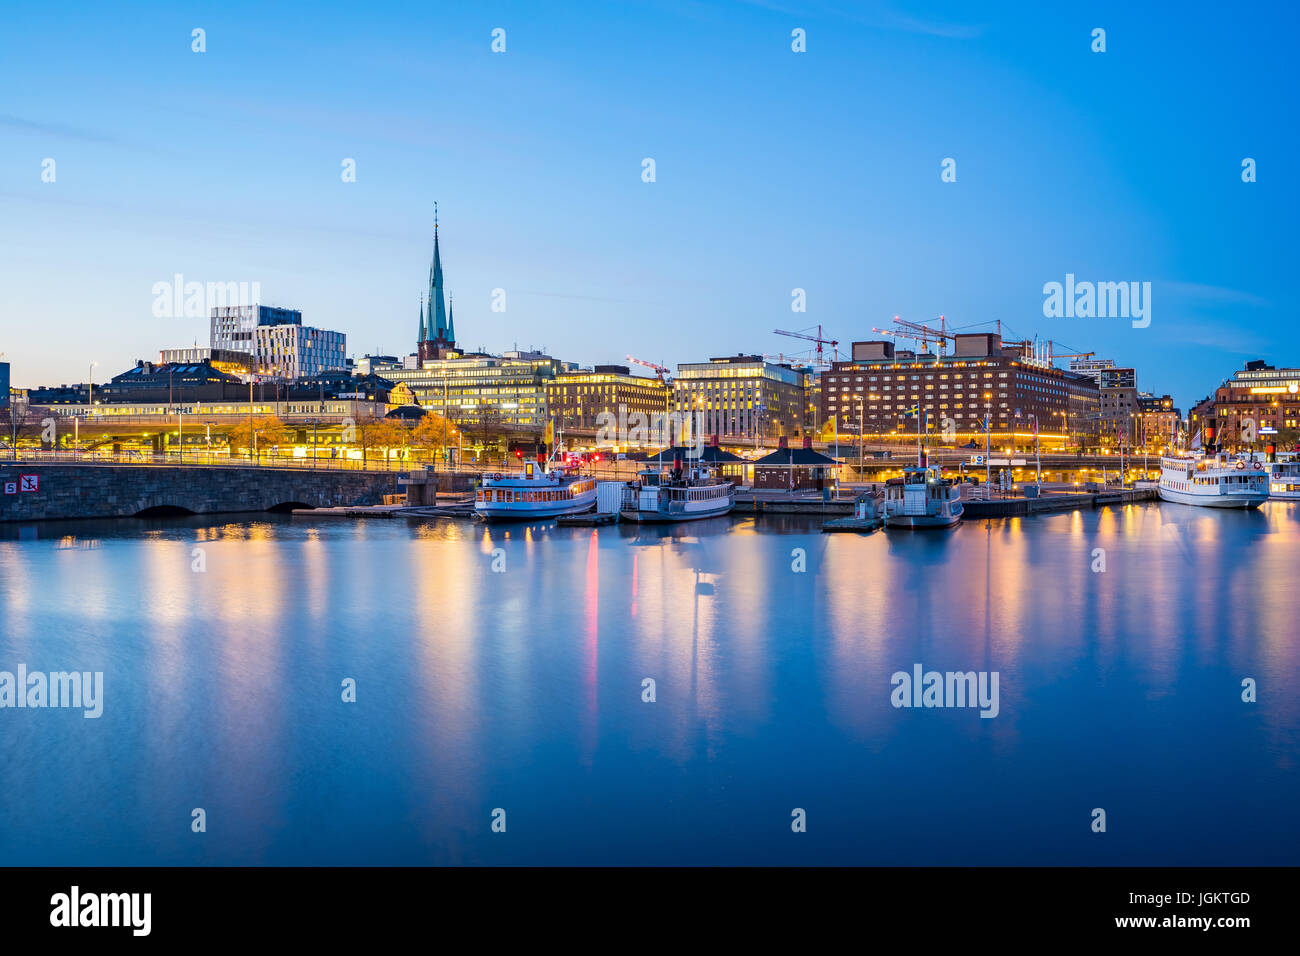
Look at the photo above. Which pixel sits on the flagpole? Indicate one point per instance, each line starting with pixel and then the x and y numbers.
pixel 836 420
pixel 987 452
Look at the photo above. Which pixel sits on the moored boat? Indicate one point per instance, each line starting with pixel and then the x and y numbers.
pixel 679 494
pixel 922 499
pixel 1213 481
pixel 537 493
pixel 1283 478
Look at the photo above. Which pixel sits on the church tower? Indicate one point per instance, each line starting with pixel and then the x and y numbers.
pixel 437 335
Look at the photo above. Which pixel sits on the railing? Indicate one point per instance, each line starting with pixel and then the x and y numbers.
pixel 204 459
pixel 201 459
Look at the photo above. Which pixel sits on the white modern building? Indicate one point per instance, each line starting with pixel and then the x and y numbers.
pixel 297 351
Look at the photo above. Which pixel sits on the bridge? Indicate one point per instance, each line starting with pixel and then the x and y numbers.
pixel 31 491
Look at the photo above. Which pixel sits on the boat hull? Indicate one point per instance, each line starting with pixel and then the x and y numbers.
pixel 1238 501
pixel 922 522
pixel 660 517
pixel 528 511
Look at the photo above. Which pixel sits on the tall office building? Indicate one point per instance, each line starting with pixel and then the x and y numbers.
pixel 233 327
pixel 743 397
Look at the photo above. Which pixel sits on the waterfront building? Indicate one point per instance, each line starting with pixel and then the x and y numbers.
pixel 1258 405
pixel 148 383
pixel 742 397
pixel 794 468
pixel 380 364
pixel 1119 410
pixel 240 364
pixel 579 398
pixel 291 351
pixel 47 396
pixel 233 326
pixel 880 391
pixel 280 345
pixel 1158 421
pixel 492 391
pixel 1200 422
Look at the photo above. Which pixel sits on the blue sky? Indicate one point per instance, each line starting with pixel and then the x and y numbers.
pixel 774 170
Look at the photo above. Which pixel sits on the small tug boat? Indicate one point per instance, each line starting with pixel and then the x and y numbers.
pixel 922 499
pixel 537 493
pixel 1213 481
pixel 682 494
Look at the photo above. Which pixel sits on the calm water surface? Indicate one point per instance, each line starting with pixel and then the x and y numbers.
pixel 521 689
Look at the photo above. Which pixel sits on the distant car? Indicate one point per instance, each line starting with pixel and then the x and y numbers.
pixel 970 444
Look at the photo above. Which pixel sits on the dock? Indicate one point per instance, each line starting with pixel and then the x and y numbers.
pixel 449 510
pixel 589 519
pixel 860 525
pixel 351 511
pixel 783 503
pixel 974 509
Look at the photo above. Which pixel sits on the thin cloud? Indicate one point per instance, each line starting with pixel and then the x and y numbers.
pixel 1211 294
pixel 54 129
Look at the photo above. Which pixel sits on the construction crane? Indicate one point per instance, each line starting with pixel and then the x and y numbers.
pixel 659 369
pixel 818 338
pixel 921 333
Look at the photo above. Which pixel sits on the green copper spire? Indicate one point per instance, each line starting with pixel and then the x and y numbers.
pixel 451 320
pixel 436 317
pixel 421 338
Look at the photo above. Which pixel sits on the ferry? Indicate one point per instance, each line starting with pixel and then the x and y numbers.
pixel 922 499
pixel 537 493
pixel 677 495
pixel 1212 481
pixel 1283 479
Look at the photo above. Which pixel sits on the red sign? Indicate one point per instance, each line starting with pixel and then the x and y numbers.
pixel 29 482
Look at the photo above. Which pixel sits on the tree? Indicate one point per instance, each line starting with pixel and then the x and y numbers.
pixel 265 431
pixel 380 433
pixel 433 434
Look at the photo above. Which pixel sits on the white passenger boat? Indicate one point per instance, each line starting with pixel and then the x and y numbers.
pixel 1212 481
pixel 682 494
pixel 1283 479
pixel 537 493
pixel 922 499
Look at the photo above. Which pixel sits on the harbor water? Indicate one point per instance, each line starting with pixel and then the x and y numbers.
pixel 502 675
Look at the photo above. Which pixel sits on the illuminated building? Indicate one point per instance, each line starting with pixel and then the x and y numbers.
pixel 1259 405
pixel 878 388
pixel 1158 421
pixel 577 399
pixel 743 397
pixel 223 360
pixel 506 391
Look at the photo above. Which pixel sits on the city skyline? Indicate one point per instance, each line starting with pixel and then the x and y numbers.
pixel 170 165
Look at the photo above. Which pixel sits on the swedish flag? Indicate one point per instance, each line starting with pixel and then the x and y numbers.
pixel 914 410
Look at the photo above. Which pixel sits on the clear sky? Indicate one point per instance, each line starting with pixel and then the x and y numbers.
pixel 775 170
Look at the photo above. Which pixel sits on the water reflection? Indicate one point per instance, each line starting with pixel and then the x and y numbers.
pixel 502 666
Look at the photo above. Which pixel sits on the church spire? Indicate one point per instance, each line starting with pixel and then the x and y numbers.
pixel 451 319
pixel 421 338
pixel 436 325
